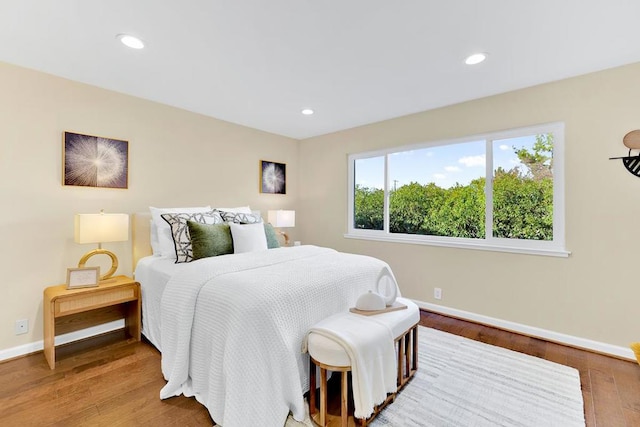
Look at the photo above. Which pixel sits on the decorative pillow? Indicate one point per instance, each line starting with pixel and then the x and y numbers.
pixel 180 231
pixel 209 240
pixel 248 237
pixel 161 239
pixel 241 217
pixel 272 236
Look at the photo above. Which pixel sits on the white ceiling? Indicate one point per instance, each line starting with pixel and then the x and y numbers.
pixel 258 62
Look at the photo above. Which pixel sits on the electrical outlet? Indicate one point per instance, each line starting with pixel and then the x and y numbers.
pixel 437 293
pixel 22 326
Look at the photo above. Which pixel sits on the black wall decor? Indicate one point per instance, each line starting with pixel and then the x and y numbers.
pixel 632 142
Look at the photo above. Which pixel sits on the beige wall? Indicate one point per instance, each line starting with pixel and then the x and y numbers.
pixel 181 158
pixel 594 293
pixel 175 158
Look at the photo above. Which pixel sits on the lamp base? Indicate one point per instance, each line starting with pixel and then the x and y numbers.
pixel 114 261
pixel 286 238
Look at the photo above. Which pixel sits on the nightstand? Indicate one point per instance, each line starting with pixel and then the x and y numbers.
pixel 71 309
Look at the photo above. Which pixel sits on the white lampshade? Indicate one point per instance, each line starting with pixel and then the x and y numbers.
pixel 101 228
pixel 282 219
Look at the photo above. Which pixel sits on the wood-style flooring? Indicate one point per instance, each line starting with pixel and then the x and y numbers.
pixel 111 381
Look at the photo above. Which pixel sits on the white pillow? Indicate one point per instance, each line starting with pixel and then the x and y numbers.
pixel 162 241
pixel 248 237
pixel 240 209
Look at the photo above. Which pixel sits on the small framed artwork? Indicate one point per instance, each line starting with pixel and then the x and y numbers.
pixel 273 177
pixel 94 161
pixel 86 277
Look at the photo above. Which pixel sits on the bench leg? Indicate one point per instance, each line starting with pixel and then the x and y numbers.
pixel 312 387
pixel 415 348
pixel 344 386
pixel 400 361
pixel 407 356
pixel 323 397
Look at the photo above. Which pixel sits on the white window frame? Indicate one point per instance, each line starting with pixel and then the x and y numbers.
pixel 555 247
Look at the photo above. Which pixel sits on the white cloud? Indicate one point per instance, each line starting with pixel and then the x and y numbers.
pixel 470 161
pixel 403 153
pixel 504 147
pixel 452 169
pixel 439 176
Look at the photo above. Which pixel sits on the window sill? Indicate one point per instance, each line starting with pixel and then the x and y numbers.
pixel 552 252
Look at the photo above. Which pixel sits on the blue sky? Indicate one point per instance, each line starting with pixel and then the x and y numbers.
pixel 444 165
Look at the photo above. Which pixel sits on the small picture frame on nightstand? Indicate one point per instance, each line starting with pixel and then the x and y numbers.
pixel 86 277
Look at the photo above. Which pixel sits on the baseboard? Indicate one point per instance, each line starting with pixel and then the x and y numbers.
pixel 32 347
pixel 613 350
pixel 583 343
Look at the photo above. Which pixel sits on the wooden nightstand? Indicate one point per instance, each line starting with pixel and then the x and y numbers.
pixel 66 310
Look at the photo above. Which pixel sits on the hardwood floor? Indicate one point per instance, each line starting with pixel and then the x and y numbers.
pixel 108 381
pixel 111 381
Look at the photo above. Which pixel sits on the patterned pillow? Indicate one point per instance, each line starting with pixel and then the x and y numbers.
pixel 180 230
pixel 240 217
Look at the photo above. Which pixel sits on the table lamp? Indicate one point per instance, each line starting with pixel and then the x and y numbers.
pixel 101 228
pixel 282 219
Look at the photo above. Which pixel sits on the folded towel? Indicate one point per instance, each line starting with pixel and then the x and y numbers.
pixel 370 347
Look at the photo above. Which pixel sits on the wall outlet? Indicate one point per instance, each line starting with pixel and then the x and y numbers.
pixel 297 243
pixel 437 293
pixel 22 326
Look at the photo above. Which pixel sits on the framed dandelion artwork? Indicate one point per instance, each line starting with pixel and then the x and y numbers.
pixel 273 177
pixel 93 161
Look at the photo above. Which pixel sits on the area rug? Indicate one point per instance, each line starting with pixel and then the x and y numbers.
pixel 463 383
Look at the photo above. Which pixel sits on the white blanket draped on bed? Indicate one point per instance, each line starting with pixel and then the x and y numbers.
pixel 232 328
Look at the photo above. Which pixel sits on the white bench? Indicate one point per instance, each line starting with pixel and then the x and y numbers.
pixel 328 355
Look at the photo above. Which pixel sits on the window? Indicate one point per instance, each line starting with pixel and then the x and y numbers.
pixel 369 193
pixel 502 191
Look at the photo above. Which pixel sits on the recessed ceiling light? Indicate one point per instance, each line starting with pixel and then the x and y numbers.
pixel 130 41
pixel 307 111
pixel 476 58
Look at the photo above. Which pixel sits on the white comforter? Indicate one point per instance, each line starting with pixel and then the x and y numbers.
pixel 233 327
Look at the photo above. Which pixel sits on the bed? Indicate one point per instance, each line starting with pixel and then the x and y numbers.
pixel 230 328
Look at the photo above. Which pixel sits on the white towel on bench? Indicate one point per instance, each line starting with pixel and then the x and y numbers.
pixel 370 347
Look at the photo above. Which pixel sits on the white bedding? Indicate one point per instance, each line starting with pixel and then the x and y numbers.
pixel 233 327
pixel 153 273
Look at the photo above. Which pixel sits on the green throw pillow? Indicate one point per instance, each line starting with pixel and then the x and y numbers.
pixel 210 240
pixel 272 237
